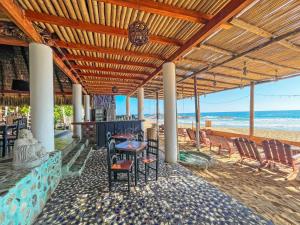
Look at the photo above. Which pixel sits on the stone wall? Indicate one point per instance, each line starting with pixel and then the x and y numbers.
pixel 23 202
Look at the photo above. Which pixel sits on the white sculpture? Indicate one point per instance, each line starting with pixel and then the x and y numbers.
pixel 28 152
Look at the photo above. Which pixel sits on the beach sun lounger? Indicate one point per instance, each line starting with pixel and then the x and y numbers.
pixel 248 150
pixel 277 152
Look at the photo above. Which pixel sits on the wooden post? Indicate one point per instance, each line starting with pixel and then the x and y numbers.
pixel 251 128
pixel 197 113
pixel 157 115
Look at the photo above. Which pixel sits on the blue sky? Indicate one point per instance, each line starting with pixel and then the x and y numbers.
pixel 269 96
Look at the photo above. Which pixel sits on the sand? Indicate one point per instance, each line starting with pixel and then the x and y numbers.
pixel 266 192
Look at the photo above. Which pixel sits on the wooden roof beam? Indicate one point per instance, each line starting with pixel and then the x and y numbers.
pixel 226 13
pixel 104 69
pixel 12 41
pixel 232 68
pixel 108 76
pixel 115 81
pixel 15 13
pixel 97 28
pixel 218 81
pixel 113 51
pixel 83 58
pixel 263 33
pixel 233 54
pixel 163 10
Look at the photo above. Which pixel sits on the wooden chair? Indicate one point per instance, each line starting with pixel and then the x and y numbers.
pixel 191 134
pixel 248 150
pixel 278 152
pixel 116 166
pixel 181 132
pixel 204 139
pixel 151 157
pixel 3 139
pixel 13 133
pixel 222 143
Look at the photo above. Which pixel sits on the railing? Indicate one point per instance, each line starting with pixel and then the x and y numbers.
pixel 256 139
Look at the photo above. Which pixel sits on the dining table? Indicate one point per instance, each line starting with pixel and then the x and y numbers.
pixel 133 148
pixel 123 136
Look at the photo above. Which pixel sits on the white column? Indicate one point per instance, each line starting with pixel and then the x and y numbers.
pixel 41 94
pixel 128 106
pixel 141 105
pixel 77 109
pixel 87 108
pixel 169 84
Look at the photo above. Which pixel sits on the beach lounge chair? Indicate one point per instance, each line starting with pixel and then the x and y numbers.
pixel 222 143
pixel 278 152
pixel 248 150
pixel 181 132
pixel 204 139
pixel 191 134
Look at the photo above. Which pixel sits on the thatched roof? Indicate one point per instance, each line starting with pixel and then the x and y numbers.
pixel 14 65
pixel 226 44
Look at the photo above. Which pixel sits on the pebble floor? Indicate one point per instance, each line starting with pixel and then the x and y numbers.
pixel 178 197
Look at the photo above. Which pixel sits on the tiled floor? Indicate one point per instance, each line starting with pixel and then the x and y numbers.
pixel 178 197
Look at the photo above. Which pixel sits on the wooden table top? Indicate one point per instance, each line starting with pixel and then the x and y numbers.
pixel 123 136
pixel 131 146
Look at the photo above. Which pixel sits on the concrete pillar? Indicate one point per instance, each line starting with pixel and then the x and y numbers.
pixel 251 122
pixel 141 105
pixel 169 84
pixel 41 94
pixel 128 106
pixel 77 109
pixel 87 108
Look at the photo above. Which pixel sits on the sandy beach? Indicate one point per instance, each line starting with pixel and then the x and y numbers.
pixel 266 192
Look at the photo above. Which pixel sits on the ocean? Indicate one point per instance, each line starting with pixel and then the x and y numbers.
pixel 273 120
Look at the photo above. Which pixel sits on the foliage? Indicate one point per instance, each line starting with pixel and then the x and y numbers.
pixel 24 110
pixel 59 110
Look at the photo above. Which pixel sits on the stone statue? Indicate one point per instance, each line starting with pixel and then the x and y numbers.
pixel 28 152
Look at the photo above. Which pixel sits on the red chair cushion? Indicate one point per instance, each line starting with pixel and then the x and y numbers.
pixel 122 165
pixel 148 159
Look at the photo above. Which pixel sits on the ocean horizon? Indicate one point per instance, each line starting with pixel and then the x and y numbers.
pixel 273 120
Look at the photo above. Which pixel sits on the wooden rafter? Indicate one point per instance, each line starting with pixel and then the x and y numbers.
pixel 108 76
pixel 98 28
pixel 114 51
pixel 106 61
pixel 248 58
pixel 163 10
pixel 104 69
pixel 116 81
pixel 263 33
pixel 226 13
pixel 243 54
pixel 17 16
pixel 12 41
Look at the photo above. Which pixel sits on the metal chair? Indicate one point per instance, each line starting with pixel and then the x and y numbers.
pixel 116 166
pixel 151 157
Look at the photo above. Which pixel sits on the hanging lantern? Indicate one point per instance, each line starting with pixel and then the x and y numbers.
pixel 114 89
pixel 138 33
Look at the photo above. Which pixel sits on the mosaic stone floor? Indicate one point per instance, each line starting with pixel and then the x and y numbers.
pixel 178 197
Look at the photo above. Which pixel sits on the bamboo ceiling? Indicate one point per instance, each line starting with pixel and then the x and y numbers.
pixel 226 44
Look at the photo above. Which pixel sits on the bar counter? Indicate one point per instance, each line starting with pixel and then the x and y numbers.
pixel 101 128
